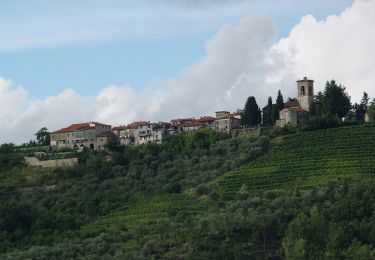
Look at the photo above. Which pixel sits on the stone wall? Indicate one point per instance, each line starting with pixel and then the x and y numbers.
pixel 32 161
pixel 245 132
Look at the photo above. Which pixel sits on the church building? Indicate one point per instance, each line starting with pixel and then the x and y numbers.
pixel 301 109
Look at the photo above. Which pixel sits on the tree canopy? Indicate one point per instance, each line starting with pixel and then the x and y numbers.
pixel 251 115
pixel 42 137
pixel 269 112
pixel 336 100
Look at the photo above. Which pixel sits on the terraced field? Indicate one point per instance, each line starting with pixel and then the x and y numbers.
pixel 147 211
pixel 308 159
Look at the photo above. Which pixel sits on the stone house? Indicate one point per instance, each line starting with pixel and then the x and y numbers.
pixel 220 114
pixel 79 135
pixel 301 109
pixel 207 121
pixel 104 138
pixel 227 122
pixel 189 127
pixel 126 133
pixel 143 133
pixel 162 130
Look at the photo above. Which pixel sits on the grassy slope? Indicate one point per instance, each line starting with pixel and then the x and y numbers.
pixel 308 159
pixel 303 160
pixel 147 211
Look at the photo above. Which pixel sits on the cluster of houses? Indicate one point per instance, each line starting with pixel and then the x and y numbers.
pixel 95 135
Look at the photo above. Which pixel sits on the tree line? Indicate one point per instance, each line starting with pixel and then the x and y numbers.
pixel 334 100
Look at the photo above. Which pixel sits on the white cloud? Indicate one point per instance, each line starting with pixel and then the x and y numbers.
pixel 240 61
pixel 234 67
pixel 340 47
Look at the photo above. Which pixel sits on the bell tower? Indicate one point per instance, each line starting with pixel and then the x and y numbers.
pixel 305 90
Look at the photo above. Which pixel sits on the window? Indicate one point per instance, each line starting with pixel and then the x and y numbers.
pixel 302 90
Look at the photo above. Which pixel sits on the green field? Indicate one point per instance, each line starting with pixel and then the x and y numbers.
pixel 147 211
pixel 308 159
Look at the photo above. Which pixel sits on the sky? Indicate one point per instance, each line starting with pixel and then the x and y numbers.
pixel 114 61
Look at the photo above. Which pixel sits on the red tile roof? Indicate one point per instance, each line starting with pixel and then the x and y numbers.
pixel 181 119
pixel 79 127
pixel 121 127
pixel 192 124
pixel 206 119
pixel 73 127
pixel 290 104
pixel 135 125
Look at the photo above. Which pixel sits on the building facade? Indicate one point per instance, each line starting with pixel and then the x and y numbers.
pixel 79 135
pixel 302 108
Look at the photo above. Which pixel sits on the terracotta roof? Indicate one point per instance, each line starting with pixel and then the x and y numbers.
pixel 73 127
pixel 121 127
pixel 290 104
pixel 135 125
pixel 206 119
pixel 192 124
pixel 79 127
pixel 182 119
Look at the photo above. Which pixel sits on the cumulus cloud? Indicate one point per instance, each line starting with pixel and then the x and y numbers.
pixel 340 47
pixel 235 66
pixel 240 61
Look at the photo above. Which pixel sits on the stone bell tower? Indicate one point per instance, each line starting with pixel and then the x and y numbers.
pixel 305 88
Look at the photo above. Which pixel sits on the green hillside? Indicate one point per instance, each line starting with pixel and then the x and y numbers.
pixel 198 196
pixel 147 211
pixel 308 159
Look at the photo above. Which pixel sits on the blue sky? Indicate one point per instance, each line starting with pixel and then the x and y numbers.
pixel 49 46
pixel 120 61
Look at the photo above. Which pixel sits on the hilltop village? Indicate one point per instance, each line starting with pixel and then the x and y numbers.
pixel 96 135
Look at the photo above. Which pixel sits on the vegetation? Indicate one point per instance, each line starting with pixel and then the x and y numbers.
pixel 335 100
pixel 42 137
pixel 251 115
pixel 308 159
pixel 305 192
pixel 276 108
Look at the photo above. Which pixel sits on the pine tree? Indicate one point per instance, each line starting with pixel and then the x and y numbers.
pixel 371 111
pixel 336 100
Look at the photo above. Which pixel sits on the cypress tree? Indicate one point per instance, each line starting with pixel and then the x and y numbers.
pixel 280 101
pixel 269 112
pixel 251 115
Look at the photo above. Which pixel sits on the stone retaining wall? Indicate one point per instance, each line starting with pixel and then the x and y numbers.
pixel 32 161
